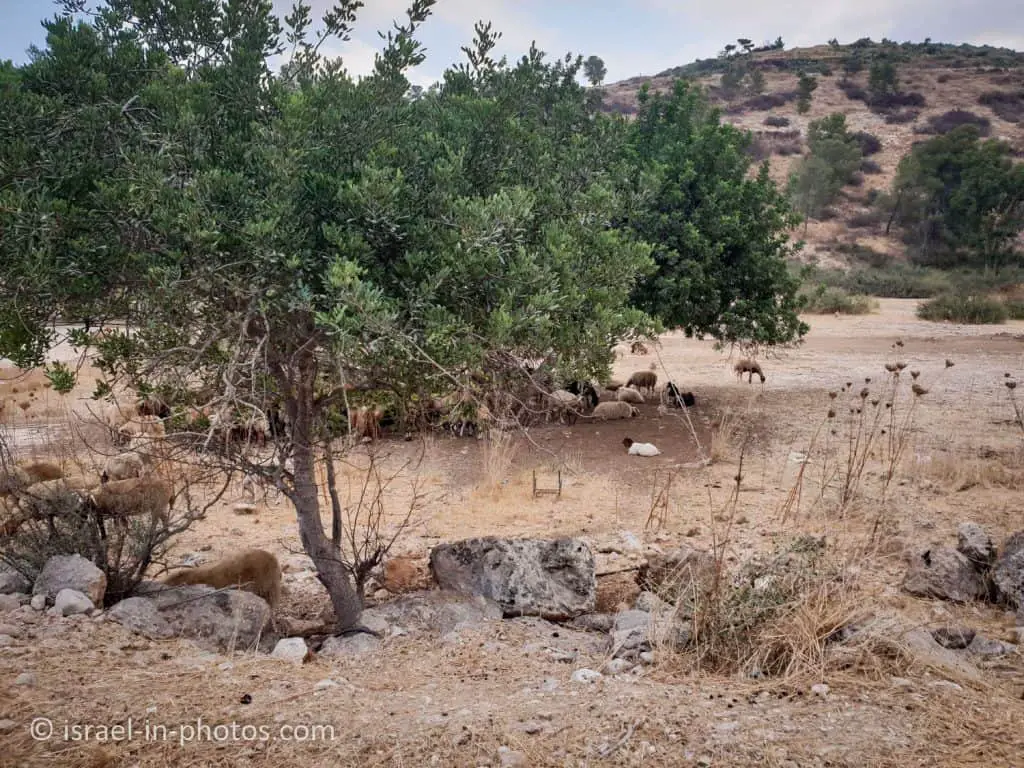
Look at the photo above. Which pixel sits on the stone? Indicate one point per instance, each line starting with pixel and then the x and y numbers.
pixel 9 603
pixel 7 725
pixel 636 632
pixel 976 545
pixel 440 611
pixel 820 689
pixel 1008 571
pixel 6 641
pixel 953 637
pixel 984 646
pixel 585 675
pixel 892 630
pixel 38 602
pixel 509 758
pixel 141 616
pixel 676 576
pixel 71 572
pixel 12 582
pixel 944 573
pixel 26 679
pixel 323 685
pixel 593 622
pixel 352 645
pixel 618 666
pixel 651 603
pixel 292 649
pixel 552 578
pixel 70 602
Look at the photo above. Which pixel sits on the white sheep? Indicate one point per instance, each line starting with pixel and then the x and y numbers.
pixel 616 410
pixel 629 395
pixel 640 449
pixel 564 403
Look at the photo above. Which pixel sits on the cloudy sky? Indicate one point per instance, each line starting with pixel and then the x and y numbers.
pixel 634 37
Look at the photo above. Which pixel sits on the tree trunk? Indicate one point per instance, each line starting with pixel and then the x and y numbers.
pixel 327 558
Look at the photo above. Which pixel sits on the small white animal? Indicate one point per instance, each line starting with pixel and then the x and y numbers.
pixel 640 449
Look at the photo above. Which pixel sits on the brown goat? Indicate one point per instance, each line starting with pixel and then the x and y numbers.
pixel 365 421
pixel 254 570
pixel 133 497
pixel 643 380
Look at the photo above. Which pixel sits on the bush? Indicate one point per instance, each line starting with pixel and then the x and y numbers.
pixel 943 78
pixel 901 116
pixel 948 121
pixel 866 219
pixel 766 101
pixel 823 300
pixel 873 194
pixel 870 166
pixel 865 254
pixel 963 308
pixel 886 101
pixel 854 92
pixel 1014 308
pixel 869 143
pixel 786 148
pixel 1006 105
pixel 856 179
pixel 897 281
pixel 776 121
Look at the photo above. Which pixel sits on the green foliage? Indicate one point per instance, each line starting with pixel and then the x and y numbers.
pixel 755 82
pixel 61 377
pixel 720 234
pixel 853 64
pixel 825 300
pixel 1014 308
pixel 883 79
pixel 594 70
pixel 963 308
pixel 833 159
pixel 960 200
pixel 806 86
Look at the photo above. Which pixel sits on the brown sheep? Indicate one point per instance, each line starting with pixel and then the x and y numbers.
pixel 123 466
pixel 613 385
pixel 39 471
pixel 749 367
pixel 134 497
pixel 616 410
pixel 365 421
pixel 643 380
pixel 253 570
pixel 638 348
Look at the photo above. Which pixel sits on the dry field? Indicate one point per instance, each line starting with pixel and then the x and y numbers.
pixel 457 702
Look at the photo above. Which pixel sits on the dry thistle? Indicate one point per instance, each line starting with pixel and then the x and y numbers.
pixel 831 413
pixel 918 390
pixel 915 374
pixel 874 401
pixel 849 385
pixel 864 393
pixel 949 363
pixel 867 379
pixel 888 405
pixel 832 395
pixel 900 366
pixel 1006 375
pixel 890 367
pixel 1011 384
pixel 899 342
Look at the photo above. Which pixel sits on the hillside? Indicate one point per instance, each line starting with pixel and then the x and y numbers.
pixel 933 80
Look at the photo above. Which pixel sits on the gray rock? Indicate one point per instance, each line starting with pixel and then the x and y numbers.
pixel 636 632
pixel 678 575
pixel 70 602
pixel 618 666
pixel 946 574
pixel 9 603
pixel 6 641
pixel 1008 571
pixel 976 545
pixel 585 675
pixel 38 602
pixel 323 685
pixel 6 726
pixel 820 689
pixel 26 679
pixel 984 646
pixel 439 611
pixel 71 572
pixel 593 622
pixel 353 645
pixel 10 629
pixel 12 581
pixel 291 649
pixel 650 602
pixel 891 630
pixel 216 620
pixel 508 758
pixel 953 637
pixel 647 657
pixel 552 578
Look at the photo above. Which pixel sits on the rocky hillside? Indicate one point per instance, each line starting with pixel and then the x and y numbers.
pixel 983 85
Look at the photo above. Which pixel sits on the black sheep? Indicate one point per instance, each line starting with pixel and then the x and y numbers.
pixel 673 396
pixel 586 390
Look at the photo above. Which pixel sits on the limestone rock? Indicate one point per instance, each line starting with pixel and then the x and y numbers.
pixel 946 574
pixel 71 572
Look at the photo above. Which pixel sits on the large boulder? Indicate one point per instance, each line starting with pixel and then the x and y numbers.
pixel 1008 571
pixel 946 574
pixel 71 572
pixel 551 578
pixel 216 619
pixel 12 582
pixel 976 545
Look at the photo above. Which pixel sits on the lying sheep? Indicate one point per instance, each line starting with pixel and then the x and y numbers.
pixel 629 395
pixel 613 385
pixel 563 403
pixel 134 497
pixel 253 570
pixel 616 410
pixel 638 348
pixel 640 449
pixel 39 471
pixel 750 367
pixel 676 398
pixel 643 380
pixel 123 466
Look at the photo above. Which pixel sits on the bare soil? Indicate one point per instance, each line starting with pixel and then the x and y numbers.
pixel 456 702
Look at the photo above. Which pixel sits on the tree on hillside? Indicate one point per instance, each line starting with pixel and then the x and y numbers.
pixel 806 86
pixel 271 242
pixel 883 79
pixel 833 158
pixel 720 235
pixel 852 65
pixel 755 82
pixel 960 200
pixel 594 70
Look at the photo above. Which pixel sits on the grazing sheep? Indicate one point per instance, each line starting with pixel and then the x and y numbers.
pixel 629 395
pixel 153 406
pixel 749 367
pixel 563 403
pixel 587 392
pixel 676 398
pixel 123 466
pixel 134 497
pixel 640 449
pixel 144 426
pixel 638 348
pixel 253 570
pixel 616 410
pixel 643 380
pixel 38 471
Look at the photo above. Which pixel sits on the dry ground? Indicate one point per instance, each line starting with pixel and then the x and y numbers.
pixel 456 702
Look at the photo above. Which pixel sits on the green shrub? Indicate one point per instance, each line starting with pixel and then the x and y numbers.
pixel 823 300
pixel 1014 308
pixel 963 308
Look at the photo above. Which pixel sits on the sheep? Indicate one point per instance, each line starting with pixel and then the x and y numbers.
pixel 640 449
pixel 613 385
pixel 123 466
pixel 153 406
pixel 564 403
pixel 616 410
pixel 750 367
pixel 365 421
pixel 254 570
pixel 638 348
pixel 629 395
pixel 643 380
pixel 587 392
pixel 136 496
pixel 676 398
pixel 47 499
pixel 143 426
pixel 38 471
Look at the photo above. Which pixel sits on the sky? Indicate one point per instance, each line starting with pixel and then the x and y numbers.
pixel 633 37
